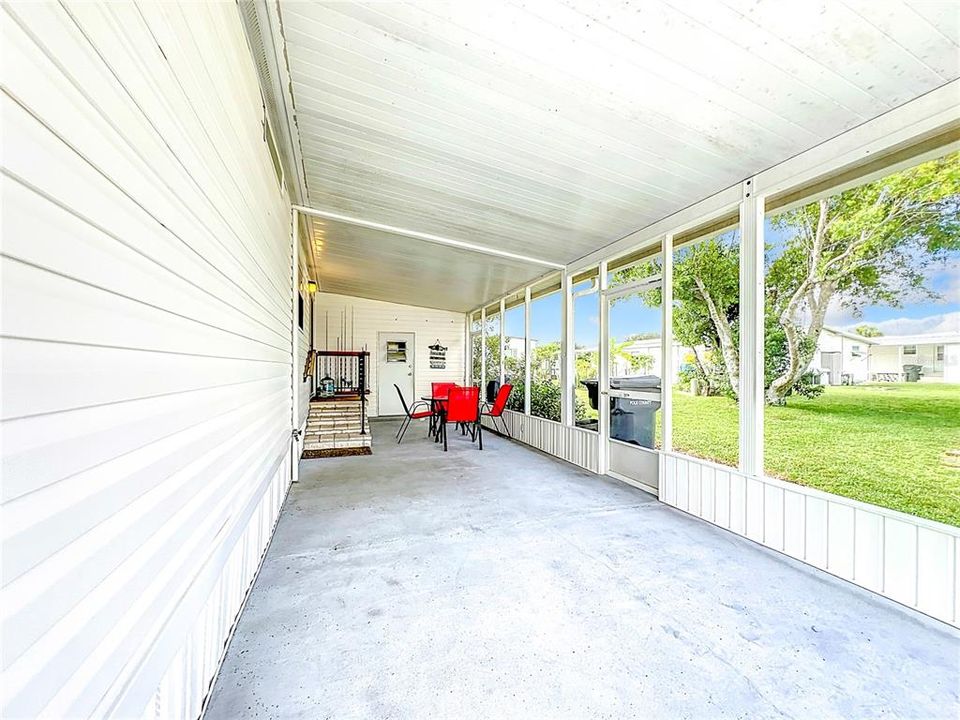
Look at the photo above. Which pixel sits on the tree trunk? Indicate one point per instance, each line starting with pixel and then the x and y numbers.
pixel 801 345
pixel 703 372
pixel 728 350
pixel 797 359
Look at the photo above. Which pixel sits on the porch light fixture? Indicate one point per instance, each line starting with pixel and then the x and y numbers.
pixel 312 286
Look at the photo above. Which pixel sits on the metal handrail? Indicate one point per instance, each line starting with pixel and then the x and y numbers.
pixel 343 374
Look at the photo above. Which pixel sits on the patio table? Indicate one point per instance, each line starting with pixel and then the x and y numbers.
pixel 435 409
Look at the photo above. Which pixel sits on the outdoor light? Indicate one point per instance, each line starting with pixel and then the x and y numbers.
pixel 312 286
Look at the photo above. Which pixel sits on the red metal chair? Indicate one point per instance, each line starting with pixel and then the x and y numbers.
pixel 439 390
pixel 411 414
pixel 463 406
pixel 496 410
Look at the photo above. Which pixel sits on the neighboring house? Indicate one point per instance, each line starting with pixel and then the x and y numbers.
pixel 841 357
pixel 938 355
pixel 514 347
pixel 651 348
pixel 847 357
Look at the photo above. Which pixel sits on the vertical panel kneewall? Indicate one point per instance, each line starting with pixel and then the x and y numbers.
pixel 908 559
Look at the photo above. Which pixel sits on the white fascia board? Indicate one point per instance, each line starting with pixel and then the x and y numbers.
pixel 927 115
pixel 933 339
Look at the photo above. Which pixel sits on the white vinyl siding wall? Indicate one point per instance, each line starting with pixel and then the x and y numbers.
pixel 372 316
pixel 304 387
pixel 146 399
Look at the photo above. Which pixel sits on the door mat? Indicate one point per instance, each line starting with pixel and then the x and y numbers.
pixel 335 452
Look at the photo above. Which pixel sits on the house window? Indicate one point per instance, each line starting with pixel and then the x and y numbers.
pixel 300 310
pixel 909 349
pixel 939 353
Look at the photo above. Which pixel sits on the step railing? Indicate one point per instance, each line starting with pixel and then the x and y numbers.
pixel 342 375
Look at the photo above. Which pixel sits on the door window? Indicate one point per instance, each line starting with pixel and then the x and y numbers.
pixel 396 351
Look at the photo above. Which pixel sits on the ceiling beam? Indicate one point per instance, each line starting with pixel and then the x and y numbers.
pixel 428 237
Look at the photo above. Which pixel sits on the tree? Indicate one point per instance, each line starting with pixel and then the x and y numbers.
pixel 706 289
pixel 868 245
pixel 545 390
pixel 867 331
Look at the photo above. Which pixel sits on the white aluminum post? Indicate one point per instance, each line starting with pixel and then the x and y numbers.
pixel 526 350
pixel 294 329
pixel 567 349
pixel 503 331
pixel 751 331
pixel 666 362
pixel 468 367
pixel 483 348
pixel 603 355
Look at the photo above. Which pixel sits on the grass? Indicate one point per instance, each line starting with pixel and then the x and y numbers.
pixel 883 444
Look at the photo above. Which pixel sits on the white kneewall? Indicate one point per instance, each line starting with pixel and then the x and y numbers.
pixel 365 318
pixel 146 345
pixel 913 561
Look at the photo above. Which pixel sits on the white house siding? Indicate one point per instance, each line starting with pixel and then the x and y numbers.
pixel 856 359
pixel 370 317
pixel 885 359
pixel 951 363
pixel 146 346
pixel 651 348
pixel 304 387
pixel 853 356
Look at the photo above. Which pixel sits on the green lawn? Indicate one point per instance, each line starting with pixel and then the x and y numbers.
pixel 882 444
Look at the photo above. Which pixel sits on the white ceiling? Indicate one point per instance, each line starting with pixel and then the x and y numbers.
pixel 553 128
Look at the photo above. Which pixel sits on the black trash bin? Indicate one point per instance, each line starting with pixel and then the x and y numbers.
pixel 493 387
pixel 631 420
pixel 912 373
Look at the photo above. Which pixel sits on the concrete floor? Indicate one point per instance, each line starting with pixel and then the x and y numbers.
pixel 506 584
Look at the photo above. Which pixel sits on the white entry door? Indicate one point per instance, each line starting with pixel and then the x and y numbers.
pixel 395 356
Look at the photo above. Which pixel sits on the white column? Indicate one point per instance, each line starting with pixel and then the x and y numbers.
pixel 468 367
pixel 666 361
pixel 603 362
pixel 526 351
pixel 294 329
pixel 503 330
pixel 567 374
pixel 751 331
pixel 483 348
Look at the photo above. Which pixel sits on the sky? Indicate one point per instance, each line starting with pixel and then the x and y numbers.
pixel 917 316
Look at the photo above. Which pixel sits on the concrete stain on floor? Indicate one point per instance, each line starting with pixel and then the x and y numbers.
pixel 506 584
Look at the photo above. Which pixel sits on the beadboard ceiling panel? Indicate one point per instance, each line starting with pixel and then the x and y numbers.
pixel 381 265
pixel 554 128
